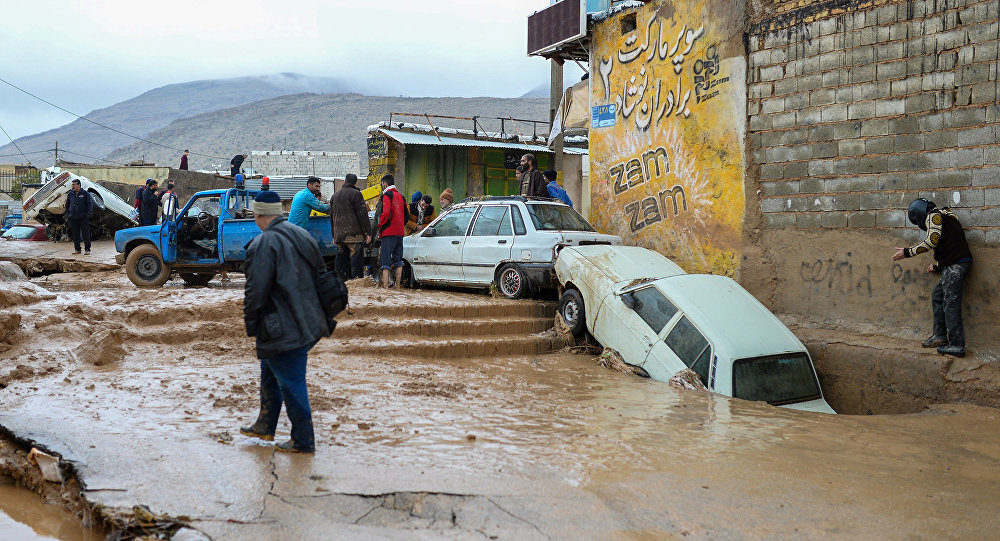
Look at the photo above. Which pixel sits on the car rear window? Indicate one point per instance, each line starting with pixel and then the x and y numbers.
pixel 776 379
pixel 20 232
pixel 548 217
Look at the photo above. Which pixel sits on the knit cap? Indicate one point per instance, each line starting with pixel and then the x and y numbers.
pixel 267 203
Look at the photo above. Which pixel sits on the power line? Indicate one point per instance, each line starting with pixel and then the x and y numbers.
pixel 43 100
pixel 25 153
pixel 15 145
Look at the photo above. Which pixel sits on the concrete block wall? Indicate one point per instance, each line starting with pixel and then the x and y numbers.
pixel 856 110
pixel 305 163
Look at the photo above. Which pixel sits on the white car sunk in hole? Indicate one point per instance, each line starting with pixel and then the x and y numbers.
pixel 663 320
pixel 510 241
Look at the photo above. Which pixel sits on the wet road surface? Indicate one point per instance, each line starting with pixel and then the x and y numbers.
pixel 431 444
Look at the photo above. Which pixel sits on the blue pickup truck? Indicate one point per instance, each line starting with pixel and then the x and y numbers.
pixel 210 234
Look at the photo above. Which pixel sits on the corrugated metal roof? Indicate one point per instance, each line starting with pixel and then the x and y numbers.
pixel 286 187
pixel 408 138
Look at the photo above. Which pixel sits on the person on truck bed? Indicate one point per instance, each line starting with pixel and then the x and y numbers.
pixel 305 202
pixel 946 238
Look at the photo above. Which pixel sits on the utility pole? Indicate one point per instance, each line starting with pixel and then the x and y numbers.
pixel 57 154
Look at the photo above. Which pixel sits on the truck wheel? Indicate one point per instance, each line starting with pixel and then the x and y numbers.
pixel 571 309
pixel 512 282
pixel 197 278
pixel 145 267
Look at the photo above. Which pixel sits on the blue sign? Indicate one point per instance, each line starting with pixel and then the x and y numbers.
pixel 603 116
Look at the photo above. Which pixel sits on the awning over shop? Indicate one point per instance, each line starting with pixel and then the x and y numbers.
pixel 409 138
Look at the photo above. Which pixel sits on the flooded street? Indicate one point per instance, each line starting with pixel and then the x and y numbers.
pixel 444 414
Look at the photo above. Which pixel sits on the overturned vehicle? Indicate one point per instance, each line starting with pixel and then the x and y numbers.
pixel 48 206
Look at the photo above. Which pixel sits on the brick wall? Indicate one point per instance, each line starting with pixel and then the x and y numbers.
pixel 856 110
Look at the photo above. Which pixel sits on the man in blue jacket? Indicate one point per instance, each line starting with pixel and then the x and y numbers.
pixel 305 202
pixel 79 209
pixel 555 190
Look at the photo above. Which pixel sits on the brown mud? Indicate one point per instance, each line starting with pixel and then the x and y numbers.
pixel 445 414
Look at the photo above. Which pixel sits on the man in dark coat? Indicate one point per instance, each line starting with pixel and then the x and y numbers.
pixel 150 203
pixel 235 164
pixel 281 309
pixel 352 229
pixel 946 238
pixel 79 209
pixel 184 161
pixel 533 183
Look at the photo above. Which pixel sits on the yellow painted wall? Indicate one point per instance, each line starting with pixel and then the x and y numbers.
pixel 669 173
pixel 128 175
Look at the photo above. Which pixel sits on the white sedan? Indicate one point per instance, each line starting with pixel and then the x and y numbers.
pixel 663 320
pixel 508 241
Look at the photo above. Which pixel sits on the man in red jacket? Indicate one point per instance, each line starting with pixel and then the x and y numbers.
pixel 392 216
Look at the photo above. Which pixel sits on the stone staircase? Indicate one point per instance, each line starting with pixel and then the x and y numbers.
pixel 478 327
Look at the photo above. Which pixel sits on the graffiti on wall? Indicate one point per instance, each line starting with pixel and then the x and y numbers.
pixel 669 170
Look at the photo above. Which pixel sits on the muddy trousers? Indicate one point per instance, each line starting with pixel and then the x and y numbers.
pixel 79 229
pixel 350 260
pixel 283 379
pixel 946 301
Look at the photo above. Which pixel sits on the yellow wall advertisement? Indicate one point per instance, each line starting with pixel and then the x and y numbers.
pixel 668 99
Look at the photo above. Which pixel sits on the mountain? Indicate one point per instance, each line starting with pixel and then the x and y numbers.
pixel 161 106
pixel 540 91
pixel 320 122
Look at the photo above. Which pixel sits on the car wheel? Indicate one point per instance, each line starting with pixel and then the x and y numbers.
pixel 408 279
pixel 145 267
pixel 197 278
pixel 571 309
pixel 512 282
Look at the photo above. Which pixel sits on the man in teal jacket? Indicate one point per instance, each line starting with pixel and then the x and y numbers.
pixel 305 202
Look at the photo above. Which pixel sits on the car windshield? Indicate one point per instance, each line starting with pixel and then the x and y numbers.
pixel 777 380
pixel 548 217
pixel 20 232
pixel 207 204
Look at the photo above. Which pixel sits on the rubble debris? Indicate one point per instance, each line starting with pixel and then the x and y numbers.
pixel 48 464
pixel 687 379
pixel 612 359
pixel 103 347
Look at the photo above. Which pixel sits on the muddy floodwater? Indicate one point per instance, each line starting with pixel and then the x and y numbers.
pixel 24 517
pixel 447 414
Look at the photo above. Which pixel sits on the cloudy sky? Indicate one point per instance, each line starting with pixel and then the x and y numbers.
pixel 88 54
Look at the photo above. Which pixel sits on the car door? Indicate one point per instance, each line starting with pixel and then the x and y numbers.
pixel 488 244
pixel 168 241
pixel 630 322
pixel 437 250
pixel 683 346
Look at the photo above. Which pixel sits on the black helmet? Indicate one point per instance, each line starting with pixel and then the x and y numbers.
pixel 918 212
